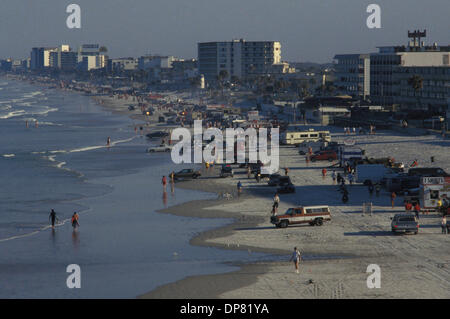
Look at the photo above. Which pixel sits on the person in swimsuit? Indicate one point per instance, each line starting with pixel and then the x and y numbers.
pixel 75 223
pixel 52 218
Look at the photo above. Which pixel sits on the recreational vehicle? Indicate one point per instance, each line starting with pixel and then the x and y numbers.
pixel 298 137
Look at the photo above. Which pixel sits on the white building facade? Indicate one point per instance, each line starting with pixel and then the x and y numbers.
pixel 239 58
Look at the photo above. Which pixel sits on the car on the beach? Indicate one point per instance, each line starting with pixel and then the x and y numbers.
pixel 159 148
pixel 286 187
pixel 404 223
pixel 324 156
pixel 226 171
pixel 312 215
pixel 158 134
pixel 274 180
pixel 187 173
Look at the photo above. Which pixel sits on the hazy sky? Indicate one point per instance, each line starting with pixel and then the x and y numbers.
pixel 309 30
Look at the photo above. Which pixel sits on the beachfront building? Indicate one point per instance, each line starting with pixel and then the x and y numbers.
pixel 155 61
pixel 239 58
pixel 415 76
pixel 167 68
pixel 434 92
pixel 353 74
pixel 393 67
pixel 90 57
pixel 121 64
pixel 6 65
pixel 63 58
pixel 40 57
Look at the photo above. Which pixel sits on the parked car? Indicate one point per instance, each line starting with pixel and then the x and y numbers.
pixel 313 215
pixel 274 180
pixel 303 148
pixel 404 223
pixel 286 187
pixel 158 134
pixel 159 148
pixel 324 156
pixel 226 171
pixel 187 173
pixel 427 172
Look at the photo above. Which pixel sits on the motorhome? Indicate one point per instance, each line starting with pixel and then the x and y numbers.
pixel 298 137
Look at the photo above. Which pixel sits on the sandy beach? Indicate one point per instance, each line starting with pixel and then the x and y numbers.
pixel 337 254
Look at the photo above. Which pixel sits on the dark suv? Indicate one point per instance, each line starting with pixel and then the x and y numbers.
pixel 226 171
pixel 427 172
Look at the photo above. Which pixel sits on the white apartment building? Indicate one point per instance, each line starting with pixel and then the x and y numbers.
pixel 238 58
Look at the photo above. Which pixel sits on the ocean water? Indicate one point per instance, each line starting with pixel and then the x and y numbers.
pixel 123 246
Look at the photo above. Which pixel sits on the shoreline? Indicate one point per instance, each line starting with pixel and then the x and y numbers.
pixel 212 286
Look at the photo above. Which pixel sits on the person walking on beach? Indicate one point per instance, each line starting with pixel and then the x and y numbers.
pixel 108 141
pixel 324 172
pixel 239 188
pixel 52 218
pixel 172 177
pixel 296 256
pixel 75 223
pixel 444 224
pixel 393 196
pixel 350 178
pixel 417 209
pixel 276 202
pixel 164 181
pixel 333 176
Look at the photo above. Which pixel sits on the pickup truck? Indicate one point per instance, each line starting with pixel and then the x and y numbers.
pixel 313 215
pixel 159 148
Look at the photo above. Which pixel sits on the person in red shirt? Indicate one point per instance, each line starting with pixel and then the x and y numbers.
pixel 164 181
pixel 417 209
pixel 324 172
pixel 408 206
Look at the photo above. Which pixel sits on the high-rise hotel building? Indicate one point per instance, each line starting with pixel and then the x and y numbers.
pixel 238 58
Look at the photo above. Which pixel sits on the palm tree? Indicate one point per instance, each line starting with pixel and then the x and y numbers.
pixel 416 82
